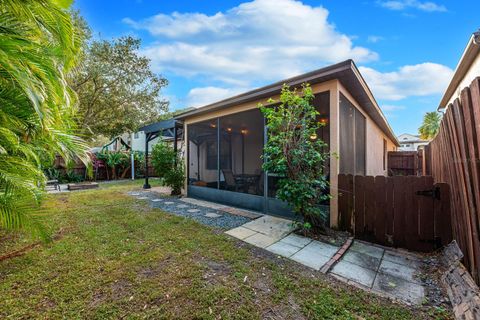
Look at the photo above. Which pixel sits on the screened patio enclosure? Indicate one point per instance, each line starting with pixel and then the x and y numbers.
pixel 224 159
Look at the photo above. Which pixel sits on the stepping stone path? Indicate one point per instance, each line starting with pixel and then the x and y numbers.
pixel 142 198
pixel 212 215
pixel 387 272
pixel 204 212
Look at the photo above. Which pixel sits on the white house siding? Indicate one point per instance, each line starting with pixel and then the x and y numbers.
pixel 472 73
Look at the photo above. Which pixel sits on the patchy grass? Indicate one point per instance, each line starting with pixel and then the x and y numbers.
pixel 115 257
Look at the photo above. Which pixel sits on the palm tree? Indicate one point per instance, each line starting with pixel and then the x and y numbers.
pixel 38 45
pixel 431 123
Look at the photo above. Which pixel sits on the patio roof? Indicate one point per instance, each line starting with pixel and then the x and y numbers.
pixel 346 72
pixel 165 126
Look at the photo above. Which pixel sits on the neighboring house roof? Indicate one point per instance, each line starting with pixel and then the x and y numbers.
pixel 410 138
pixel 471 52
pixel 346 72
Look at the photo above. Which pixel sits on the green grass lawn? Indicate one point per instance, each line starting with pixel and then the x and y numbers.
pixel 115 257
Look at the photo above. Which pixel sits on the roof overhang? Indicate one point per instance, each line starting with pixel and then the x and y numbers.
pixel 346 72
pixel 469 54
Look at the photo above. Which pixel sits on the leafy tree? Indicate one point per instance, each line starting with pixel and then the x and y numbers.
pixel 430 125
pixel 169 166
pixel 116 88
pixel 38 46
pixel 294 152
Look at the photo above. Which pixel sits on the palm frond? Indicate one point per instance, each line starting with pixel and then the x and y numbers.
pixel 38 45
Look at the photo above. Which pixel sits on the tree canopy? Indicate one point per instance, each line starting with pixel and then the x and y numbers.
pixel 116 88
pixel 430 125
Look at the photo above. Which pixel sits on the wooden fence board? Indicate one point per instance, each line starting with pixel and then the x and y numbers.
pixel 359 199
pixel 453 159
pixel 388 211
pixel 412 184
pixel 369 187
pixel 399 184
pixel 380 209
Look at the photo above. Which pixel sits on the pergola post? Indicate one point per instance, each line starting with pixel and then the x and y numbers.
pixel 175 142
pixel 146 185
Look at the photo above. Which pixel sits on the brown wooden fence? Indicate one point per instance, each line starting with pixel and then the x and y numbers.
pixel 405 163
pixel 402 211
pixel 453 157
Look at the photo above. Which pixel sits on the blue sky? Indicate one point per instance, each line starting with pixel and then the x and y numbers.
pixel 209 50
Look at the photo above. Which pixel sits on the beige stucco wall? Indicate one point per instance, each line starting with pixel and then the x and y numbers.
pixel 472 73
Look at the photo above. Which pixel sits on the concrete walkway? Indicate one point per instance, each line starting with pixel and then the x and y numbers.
pixel 387 272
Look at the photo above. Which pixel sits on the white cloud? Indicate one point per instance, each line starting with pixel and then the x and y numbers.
pixel 374 39
pixel 198 97
pixel 390 107
pixel 419 5
pixel 412 80
pixel 262 40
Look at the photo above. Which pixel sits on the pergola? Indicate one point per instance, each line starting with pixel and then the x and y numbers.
pixel 170 128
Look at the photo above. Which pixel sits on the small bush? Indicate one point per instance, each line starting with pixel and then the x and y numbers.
pixel 168 166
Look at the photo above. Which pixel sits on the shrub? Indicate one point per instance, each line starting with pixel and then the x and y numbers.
pixel 168 166
pixel 294 152
pixel 118 162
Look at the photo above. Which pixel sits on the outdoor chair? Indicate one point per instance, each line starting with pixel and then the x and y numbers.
pixel 232 183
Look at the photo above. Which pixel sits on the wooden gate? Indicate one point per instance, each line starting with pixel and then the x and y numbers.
pixel 405 163
pixel 409 212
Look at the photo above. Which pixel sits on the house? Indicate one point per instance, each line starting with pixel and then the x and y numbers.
pixel 467 70
pixel 224 140
pixel 410 142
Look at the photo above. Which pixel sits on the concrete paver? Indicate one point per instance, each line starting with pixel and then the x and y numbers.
pixel 261 240
pixel 398 270
pixel 403 258
pixel 355 273
pixel 399 288
pixel 240 232
pixel 315 254
pixel 362 260
pixel 310 258
pixel 284 249
pixel 296 240
pixel 367 249
pixel 269 225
